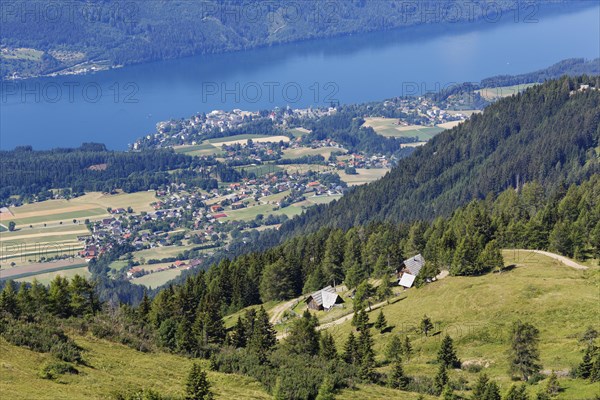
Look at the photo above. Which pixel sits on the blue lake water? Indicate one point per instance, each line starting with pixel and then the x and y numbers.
pixel 116 107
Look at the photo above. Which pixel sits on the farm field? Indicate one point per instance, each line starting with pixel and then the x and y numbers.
pixel 161 252
pixel 274 198
pixel 260 170
pixel 205 149
pixel 157 279
pixel 492 94
pixel 388 127
pixel 478 312
pixel 47 277
pixel 250 213
pixel 289 154
pixel 299 132
pixel 46 228
pixel 363 176
pixel 31 270
pixel 303 168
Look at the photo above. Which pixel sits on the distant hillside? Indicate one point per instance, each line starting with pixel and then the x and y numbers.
pixel 45 36
pixel 571 67
pixel 545 134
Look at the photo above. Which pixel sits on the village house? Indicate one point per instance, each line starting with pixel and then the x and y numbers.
pixel 324 299
pixel 409 270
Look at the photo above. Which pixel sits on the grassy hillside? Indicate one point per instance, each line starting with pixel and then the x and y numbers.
pixel 111 367
pixel 477 313
pixel 114 367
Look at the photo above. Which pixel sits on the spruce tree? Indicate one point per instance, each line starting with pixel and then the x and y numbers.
pixel 380 322
pixel 585 368
pixel 447 355
pixel 351 355
pixel 144 308
pixel 197 386
pixel 441 379
pixel 263 338
pixel 384 291
pixel 326 390
pixel 303 337
pixel 407 348
pixel 397 378
pixel 361 320
pixel 480 386
pixel 8 299
pixel 327 349
pixel 238 335
pixel 366 355
pixel 553 387
pixel 393 349
pixel 517 393
pixel 524 356
pixel 492 392
pixel 595 372
pixel 448 393
pixel 426 325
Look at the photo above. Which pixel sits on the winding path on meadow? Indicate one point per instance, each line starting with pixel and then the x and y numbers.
pixel 563 260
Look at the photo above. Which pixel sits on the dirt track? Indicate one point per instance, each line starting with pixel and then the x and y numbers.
pixel 561 259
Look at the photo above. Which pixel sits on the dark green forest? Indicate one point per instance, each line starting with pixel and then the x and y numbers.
pixel 546 134
pixel 128 32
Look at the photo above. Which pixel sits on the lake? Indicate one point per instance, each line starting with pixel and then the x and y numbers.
pixel 118 106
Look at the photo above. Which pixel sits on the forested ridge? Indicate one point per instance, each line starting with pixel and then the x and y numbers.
pixel 549 134
pixel 128 32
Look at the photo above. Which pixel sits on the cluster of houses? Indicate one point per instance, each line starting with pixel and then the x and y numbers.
pixel 190 130
pixel 327 298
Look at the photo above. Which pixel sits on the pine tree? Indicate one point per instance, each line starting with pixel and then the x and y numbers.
pixel 366 355
pixel 407 348
pixel 351 355
pixel 447 355
pixel 361 320
pixel 397 379
pixel 24 300
pixel 524 356
pixel 384 291
pixel 327 349
pixel 326 390
pixel 492 392
pixel 595 372
pixel 585 368
pixel 426 325
pixel 144 308
pixel 393 349
pixel 517 393
pixel 491 257
pixel 8 299
pixel 441 379
pixel 263 338
pixel 238 336
pixel 59 297
pixel 303 337
pixel 197 386
pixel 448 393
pixel 480 387
pixel 553 386
pixel 380 322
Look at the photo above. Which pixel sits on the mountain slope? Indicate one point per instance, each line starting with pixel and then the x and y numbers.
pixel 546 134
